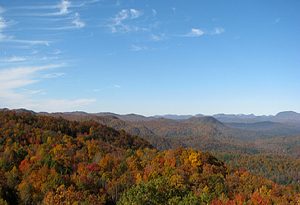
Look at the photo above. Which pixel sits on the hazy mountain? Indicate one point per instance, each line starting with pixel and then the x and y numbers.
pixel 241 118
pixel 174 117
pixel 264 129
pixel 283 117
pixel 288 117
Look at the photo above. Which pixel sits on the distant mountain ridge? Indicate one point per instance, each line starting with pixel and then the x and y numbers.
pixel 284 117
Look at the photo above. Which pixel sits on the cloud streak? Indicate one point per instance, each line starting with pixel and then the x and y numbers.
pixel 77 22
pixel 137 48
pixel 20 76
pixel 14 92
pixel 118 23
pixel 3 25
pixel 11 39
pixel 13 59
pixel 64 7
pixel 195 32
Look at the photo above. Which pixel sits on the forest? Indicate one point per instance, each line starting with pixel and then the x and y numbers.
pixel 51 160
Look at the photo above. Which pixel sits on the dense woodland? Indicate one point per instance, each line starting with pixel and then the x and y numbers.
pixel 49 160
pixel 281 169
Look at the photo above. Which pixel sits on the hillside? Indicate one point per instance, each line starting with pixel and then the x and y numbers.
pixel 278 168
pixel 206 133
pixel 54 161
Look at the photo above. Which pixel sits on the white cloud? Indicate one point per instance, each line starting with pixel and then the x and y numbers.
pixel 74 22
pixel 12 39
pixel 138 48
pixel 117 23
pixel 157 37
pixel 135 13
pixel 195 32
pixel 77 22
pixel 56 52
pixel 18 77
pixel 53 75
pixel 29 42
pixel 14 92
pixel 33 92
pixel 64 6
pixel 13 59
pixel 3 25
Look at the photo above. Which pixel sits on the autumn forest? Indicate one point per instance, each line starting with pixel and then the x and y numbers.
pixel 51 160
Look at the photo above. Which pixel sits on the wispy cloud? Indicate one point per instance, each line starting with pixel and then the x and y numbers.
pixel 53 75
pixel 158 37
pixel 14 92
pixel 61 8
pixel 195 32
pixel 56 52
pixel 77 22
pixel 118 23
pixel 13 59
pixel 19 77
pixel 12 39
pixel 109 87
pixel 74 23
pixel 29 42
pixel 3 25
pixel 138 48
pixel 64 7
pixel 33 92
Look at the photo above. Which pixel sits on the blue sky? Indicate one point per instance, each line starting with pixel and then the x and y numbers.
pixel 150 57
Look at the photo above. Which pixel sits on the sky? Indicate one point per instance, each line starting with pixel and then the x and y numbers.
pixel 150 56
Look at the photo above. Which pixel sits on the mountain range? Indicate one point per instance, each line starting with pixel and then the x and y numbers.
pixel 223 133
pixel 286 117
